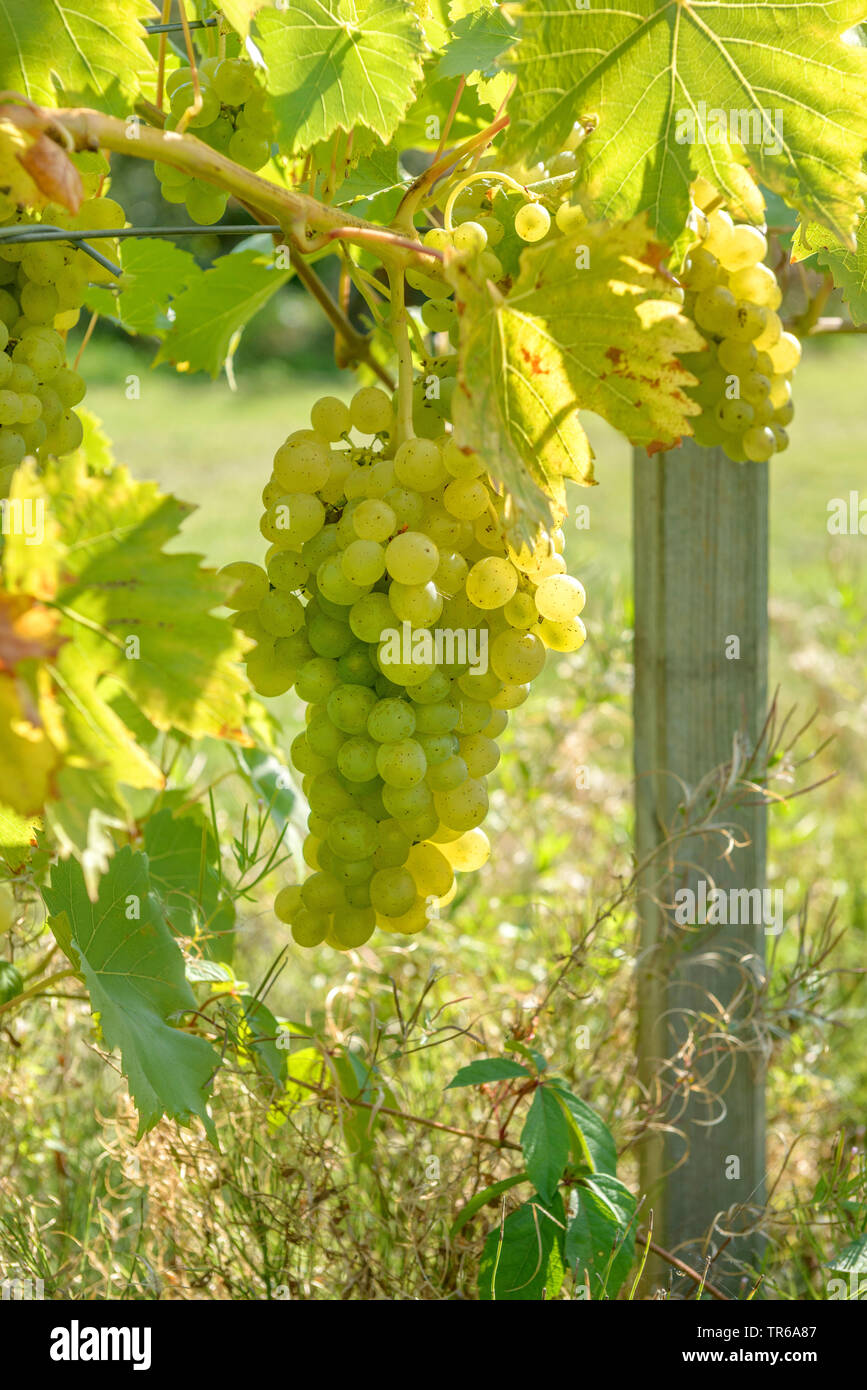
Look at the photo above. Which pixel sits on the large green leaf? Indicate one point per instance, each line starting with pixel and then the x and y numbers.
pixel 132 617
pixel 601 1235
pixel 66 55
pixel 336 64
pixel 184 867
pixel 154 273
pixel 852 1259
pixel 523 1259
pixel 134 974
pixel 848 268
pixel 476 41
pixel 212 311
pixel 239 13
pixel 545 1142
pixel 641 68
pixel 590 323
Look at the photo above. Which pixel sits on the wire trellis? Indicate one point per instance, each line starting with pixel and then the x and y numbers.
pixel 35 232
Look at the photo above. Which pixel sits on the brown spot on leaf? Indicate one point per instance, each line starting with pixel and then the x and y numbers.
pixel 534 362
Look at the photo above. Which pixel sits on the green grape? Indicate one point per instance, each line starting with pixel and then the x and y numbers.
pixel 465 806
pixel 349 707
pixel 249 149
pixel 405 802
pixel 370 411
pixel 331 418
pixel 511 696
pixel 419 604
pixel 303 757
pixel 281 613
pixel 363 562
pixel 466 498
pixel 328 636
pixel 322 893
pixel 716 312
pixel 439 718
pixel 445 776
pixel 355 666
pixel 394 845
pixel 10 407
pixel 66 435
pixel 734 416
pixel 265 674
pixel 286 570
pixel 759 444
pixel 392 891
pixel 563 636
pixel 301 465
pixel 401 764
pixel 353 835
pixel 374 520
pixel 249 584
pixel 437 747
pixel 407 505
pixel 411 558
pixel 491 582
pixel 12 448
pixel 746 246
pixel 461 463
pixel 356 759
pixel 419 464
pixel 352 927
pixel 736 357
pixel 470 238
pixel 316 680
pixel 560 597
pixel 532 222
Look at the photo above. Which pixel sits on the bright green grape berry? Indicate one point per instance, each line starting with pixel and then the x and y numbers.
pixel 532 222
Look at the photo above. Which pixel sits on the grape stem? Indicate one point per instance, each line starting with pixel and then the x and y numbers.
pixel 311 222
pixel 400 337
pixel 474 178
pixel 417 190
pixel 349 345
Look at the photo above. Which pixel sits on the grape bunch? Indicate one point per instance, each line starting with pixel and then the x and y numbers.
pixel 744 388
pixel 235 118
pixel 42 288
pixel 395 602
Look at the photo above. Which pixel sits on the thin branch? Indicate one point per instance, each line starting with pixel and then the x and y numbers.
pixel 673 1260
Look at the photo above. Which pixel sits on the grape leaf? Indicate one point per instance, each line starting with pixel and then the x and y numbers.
pixel 477 41
pixel 28 760
pixel 524 1260
pixel 132 616
pixel 333 65
pixel 17 838
pixel 154 273
pixel 645 68
pixel 215 307
pixel 134 972
pixel 601 1234
pixel 184 869
pixel 59 54
pixel 848 268
pixel 590 323
pixel 239 13
pixel 374 188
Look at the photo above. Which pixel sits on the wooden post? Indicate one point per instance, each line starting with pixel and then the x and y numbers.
pixel 701 641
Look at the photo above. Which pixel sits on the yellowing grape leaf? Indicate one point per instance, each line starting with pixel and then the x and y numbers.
pixel 134 973
pixel 132 616
pixel 239 13
pixel 336 64
pixel 848 268
pixel 680 87
pixel 28 761
pixel 591 323
pixel 59 54
pixel 211 312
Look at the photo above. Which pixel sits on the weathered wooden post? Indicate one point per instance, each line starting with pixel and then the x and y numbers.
pixel 701 640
